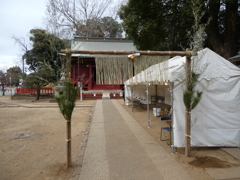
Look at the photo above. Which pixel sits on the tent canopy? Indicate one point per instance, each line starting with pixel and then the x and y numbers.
pixel 215 120
pixel 209 64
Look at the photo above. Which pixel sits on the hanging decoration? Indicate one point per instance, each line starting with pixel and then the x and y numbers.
pixel 116 69
pixel 113 69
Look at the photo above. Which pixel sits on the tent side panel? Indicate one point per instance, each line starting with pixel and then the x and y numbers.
pixel 215 121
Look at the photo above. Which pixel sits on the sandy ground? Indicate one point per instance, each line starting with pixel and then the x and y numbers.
pixel 33 146
pixel 33 143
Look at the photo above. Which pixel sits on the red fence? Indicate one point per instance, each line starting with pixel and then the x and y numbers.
pixel 26 91
pixel 91 96
pixel 50 91
pixel 116 96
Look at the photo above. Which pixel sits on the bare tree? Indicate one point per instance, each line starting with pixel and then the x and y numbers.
pixel 65 17
pixel 24 48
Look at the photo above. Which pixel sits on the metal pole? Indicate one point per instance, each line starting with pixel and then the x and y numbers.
pixel 11 84
pixel 172 99
pixel 80 90
pixel 131 87
pixel 148 115
pixel 23 64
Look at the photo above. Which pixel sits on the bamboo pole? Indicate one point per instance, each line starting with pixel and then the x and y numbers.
pixel 68 136
pixel 150 53
pixel 187 112
pixel 68 122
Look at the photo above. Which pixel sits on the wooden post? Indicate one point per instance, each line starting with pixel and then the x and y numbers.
pixel 187 113
pixel 68 122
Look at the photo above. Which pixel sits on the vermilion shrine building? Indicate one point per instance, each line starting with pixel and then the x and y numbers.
pixel 84 66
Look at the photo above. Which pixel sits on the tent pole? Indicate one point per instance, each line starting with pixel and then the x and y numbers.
pixel 131 87
pixel 171 111
pixel 156 91
pixel 148 117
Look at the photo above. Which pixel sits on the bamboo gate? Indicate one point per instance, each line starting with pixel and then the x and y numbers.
pixel 188 53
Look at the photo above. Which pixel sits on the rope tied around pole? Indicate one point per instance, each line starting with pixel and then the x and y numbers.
pixel 188 135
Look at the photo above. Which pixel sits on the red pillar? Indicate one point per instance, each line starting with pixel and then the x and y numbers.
pixel 90 76
pixel 73 73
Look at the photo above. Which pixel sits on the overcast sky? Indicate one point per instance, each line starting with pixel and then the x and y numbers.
pixel 18 17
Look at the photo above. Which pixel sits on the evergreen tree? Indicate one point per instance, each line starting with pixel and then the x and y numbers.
pixel 39 79
pixel 164 25
pixel 15 73
pixel 45 52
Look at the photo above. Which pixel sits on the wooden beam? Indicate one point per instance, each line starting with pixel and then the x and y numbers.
pixel 150 53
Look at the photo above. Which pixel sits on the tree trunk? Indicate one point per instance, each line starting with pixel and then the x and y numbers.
pixel 38 94
pixel 223 42
pixel 231 32
pixel 3 90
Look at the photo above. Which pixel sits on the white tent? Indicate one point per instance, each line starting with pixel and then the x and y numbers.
pixel 216 119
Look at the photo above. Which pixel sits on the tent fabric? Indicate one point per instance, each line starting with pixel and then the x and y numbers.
pixel 209 64
pixel 151 74
pixel 158 74
pixel 216 119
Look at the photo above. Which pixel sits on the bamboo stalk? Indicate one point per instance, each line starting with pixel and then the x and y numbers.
pixel 68 124
pixel 149 53
pixel 187 113
pixel 68 139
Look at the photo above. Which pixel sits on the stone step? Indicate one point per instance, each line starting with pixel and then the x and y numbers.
pixel 106 96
